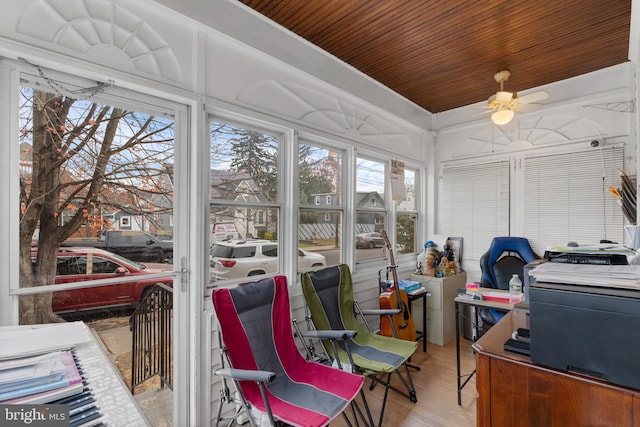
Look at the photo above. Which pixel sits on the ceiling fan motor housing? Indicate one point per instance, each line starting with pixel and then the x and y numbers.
pixel 502 76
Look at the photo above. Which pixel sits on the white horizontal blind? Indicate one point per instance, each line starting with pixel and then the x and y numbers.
pixel 566 198
pixel 474 204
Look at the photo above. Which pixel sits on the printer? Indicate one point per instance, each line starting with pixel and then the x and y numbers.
pixel 587 330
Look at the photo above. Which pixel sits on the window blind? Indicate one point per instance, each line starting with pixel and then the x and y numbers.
pixel 474 204
pixel 566 198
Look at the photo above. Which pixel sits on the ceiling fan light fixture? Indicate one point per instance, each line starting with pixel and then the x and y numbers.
pixel 502 117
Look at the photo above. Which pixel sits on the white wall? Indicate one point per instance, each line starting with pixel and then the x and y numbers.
pixel 578 110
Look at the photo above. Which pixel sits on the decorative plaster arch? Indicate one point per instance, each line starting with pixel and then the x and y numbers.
pixel 529 133
pixel 102 30
pixel 321 110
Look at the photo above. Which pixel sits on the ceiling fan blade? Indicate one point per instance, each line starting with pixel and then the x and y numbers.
pixel 526 108
pixel 533 97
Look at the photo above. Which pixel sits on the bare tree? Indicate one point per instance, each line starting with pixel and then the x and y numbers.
pixel 77 158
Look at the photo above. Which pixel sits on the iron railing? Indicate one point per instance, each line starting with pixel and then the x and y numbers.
pixel 152 346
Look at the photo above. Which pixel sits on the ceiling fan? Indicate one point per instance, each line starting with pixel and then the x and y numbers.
pixel 504 104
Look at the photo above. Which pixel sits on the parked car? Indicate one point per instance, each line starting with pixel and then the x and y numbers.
pixel 133 245
pixel 369 240
pixel 243 258
pixel 78 264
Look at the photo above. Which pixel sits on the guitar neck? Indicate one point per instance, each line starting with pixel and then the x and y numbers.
pixel 392 263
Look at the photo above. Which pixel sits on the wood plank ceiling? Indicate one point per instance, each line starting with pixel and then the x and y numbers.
pixel 443 54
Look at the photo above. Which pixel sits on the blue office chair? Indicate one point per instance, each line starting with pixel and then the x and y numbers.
pixel 506 256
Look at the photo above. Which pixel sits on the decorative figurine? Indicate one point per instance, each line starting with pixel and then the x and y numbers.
pixel 428 269
pixel 443 267
pixel 447 251
pixel 452 268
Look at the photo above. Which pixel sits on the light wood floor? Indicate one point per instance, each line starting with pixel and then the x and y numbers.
pixel 436 390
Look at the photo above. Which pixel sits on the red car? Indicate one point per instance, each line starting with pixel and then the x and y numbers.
pixel 77 264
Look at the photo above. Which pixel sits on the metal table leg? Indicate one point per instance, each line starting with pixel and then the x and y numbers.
pixel 460 376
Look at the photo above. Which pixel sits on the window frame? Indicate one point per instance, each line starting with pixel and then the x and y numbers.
pixel 282 136
pixel 114 96
pixel 341 207
pixel 409 257
pixel 165 102
pixel 369 264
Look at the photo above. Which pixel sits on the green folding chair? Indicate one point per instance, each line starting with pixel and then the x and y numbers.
pixel 328 294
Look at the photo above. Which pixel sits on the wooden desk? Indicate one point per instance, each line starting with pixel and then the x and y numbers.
pixel 514 391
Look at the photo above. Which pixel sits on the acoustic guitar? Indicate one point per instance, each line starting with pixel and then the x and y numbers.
pixel 394 298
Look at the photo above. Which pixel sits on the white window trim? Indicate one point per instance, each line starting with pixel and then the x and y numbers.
pixel 285 137
pixel 417 228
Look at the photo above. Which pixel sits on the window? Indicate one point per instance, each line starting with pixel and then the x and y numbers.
pixel 100 265
pixel 244 187
pixel 84 158
pixel 320 226
pixel 89 156
pixel 137 238
pixel 566 198
pixel 270 250
pixel 407 216
pixel 67 266
pixel 474 205
pixel 371 213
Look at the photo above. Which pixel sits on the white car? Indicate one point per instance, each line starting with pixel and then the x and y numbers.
pixel 242 258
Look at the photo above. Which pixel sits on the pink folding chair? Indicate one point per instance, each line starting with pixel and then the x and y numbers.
pixel 267 367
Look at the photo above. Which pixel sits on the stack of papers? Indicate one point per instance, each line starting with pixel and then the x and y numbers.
pixel 39 379
pixel 42 339
pixel 419 291
pixel 612 276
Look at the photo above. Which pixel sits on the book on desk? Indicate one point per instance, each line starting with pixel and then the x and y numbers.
pixel 39 379
pixel 52 378
pixel 487 295
pixel 104 398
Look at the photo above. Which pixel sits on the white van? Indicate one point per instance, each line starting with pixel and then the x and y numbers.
pixel 223 231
